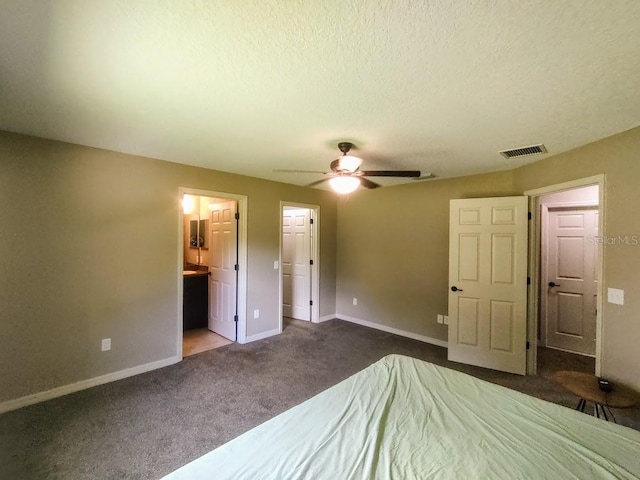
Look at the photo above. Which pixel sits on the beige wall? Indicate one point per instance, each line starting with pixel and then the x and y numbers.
pixel 393 246
pixel 90 250
pixel 585 196
pixel 617 157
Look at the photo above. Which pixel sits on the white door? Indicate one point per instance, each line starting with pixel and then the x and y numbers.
pixel 222 270
pixel 296 263
pixel 570 280
pixel 488 282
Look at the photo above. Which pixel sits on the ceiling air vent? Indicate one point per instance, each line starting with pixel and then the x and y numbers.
pixel 524 151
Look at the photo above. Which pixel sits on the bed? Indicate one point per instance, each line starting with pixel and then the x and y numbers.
pixel 403 418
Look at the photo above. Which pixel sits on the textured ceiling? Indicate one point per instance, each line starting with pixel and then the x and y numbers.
pixel 255 85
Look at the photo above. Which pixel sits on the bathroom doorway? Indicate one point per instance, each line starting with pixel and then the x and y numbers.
pixel 212 293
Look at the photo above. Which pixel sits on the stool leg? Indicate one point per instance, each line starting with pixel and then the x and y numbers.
pixel 595 410
pixel 613 418
pixel 604 412
pixel 581 405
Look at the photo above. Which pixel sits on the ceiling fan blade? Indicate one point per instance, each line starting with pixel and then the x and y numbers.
pixel 391 173
pixel 425 176
pixel 279 170
pixel 317 182
pixel 365 182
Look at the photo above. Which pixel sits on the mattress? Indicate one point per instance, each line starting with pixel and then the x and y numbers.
pixel 403 418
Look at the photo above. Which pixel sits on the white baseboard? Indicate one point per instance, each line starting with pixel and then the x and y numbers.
pixel 260 336
pixel 396 331
pixel 14 404
pixel 84 384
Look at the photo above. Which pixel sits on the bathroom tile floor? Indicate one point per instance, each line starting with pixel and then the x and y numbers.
pixel 200 340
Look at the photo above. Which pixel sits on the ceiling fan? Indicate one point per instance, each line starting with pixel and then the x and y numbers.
pixel 345 175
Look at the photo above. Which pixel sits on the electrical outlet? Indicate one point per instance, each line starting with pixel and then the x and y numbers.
pixel 106 344
pixel 445 319
pixel 355 301
pixel 440 318
pixel 256 313
pixel 275 265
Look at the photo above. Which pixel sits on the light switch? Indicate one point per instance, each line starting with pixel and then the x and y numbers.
pixel 615 295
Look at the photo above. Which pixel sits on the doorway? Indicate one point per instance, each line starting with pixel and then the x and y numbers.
pixel 565 301
pixel 299 260
pixel 213 270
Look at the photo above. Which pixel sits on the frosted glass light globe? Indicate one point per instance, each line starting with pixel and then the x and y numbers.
pixel 349 163
pixel 344 184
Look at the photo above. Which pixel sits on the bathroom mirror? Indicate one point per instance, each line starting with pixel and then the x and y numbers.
pixel 198 234
pixel 203 234
pixel 193 233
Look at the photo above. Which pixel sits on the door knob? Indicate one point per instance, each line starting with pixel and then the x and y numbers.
pixel 552 284
pixel 455 289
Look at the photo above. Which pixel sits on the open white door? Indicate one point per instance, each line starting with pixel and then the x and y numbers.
pixel 296 266
pixel 488 282
pixel 222 270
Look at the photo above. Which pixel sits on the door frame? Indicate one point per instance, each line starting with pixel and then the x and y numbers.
pixel 242 259
pixel 533 314
pixel 315 252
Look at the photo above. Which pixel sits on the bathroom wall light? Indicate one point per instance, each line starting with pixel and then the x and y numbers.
pixel 188 204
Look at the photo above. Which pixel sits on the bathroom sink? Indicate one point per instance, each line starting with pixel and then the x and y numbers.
pixel 189 272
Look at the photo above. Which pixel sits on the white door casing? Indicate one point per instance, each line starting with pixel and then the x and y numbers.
pixel 488 267
pixel 296 266
pixel 222 269
pixel 569 262
pixel 536 201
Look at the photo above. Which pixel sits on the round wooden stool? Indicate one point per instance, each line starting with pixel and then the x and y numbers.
pixel 585 386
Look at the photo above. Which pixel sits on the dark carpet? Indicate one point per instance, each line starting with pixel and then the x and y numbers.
pixel 147 426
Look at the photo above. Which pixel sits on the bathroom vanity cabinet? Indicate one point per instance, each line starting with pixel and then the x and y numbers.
pixel 195 300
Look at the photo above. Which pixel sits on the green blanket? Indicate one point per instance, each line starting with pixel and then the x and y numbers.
pixel 403 418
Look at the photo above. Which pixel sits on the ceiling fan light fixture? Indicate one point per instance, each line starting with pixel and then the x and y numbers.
pixel 344 184
pixel 349 163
